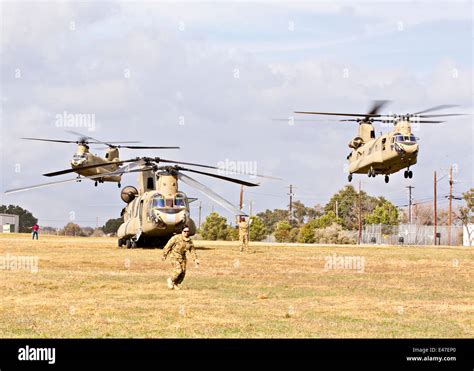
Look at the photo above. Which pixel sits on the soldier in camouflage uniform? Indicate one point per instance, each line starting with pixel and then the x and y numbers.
pixel 244 235
pixel 177 247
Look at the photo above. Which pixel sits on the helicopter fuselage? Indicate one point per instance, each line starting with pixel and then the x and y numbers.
pixel 386 154
pixel 83 157
pixel 151 217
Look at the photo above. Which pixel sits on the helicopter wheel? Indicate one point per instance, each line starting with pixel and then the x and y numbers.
pixel 120 242
pixel 95 184
pixel 405 174
pixel 128 244
pixel 134 244
pixel 410 174
pixel 387 179
pixel 349 178
pixel 119 185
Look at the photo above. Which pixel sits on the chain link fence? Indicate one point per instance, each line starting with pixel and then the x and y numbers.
pixel 411 234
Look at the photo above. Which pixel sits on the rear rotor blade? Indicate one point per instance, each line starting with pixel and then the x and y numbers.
pixel 444 106
pixel 210 194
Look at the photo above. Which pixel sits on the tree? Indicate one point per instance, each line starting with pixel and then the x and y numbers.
pixel 307 235
pixel 271 217
pixel 282 232
pixel 299 212
pixel 26 219
pixel 386 214
pixel 314 212
pixel 465 214
pixel 72 229
pixel 112 225
pixel 348 205
pixel 258 231
pixel 215 228
pixel 87 231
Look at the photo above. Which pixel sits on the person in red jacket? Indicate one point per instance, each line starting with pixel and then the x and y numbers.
pixel 35 229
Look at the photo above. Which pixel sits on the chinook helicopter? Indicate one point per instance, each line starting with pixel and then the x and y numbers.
pixel 392 151
pixel 158 209
pixel 91 166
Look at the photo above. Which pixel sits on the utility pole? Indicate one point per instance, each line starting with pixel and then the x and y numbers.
pixel 290 215
pixel 450 203
pixel 241 196
pixel 250 206
pixel 435 210
pixel 409 203
pixel 199 222
pixel 359 237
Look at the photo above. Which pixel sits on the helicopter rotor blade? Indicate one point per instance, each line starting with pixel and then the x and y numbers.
pixel 339 114
pixel 52 140
pixel 233 180
pixel 146 147
pixel 436 108
pixel 73 170
pixel 444 115
pixel 210 194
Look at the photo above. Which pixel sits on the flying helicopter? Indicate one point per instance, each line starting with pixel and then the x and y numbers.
pixel 390 152
pixel 88 165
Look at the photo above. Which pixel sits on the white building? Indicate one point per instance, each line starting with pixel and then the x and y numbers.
pixel 9 223
pixel 468 235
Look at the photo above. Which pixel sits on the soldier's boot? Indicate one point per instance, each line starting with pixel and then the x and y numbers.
pixel 170 283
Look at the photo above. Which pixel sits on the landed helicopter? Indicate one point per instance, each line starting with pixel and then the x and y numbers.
pixel 158 209
pixel 89 165
pixel 392 151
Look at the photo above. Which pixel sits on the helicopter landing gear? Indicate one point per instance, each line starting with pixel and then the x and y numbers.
pixel 128 244
pixel 387 179
pixel 371 173
pixel 119 185
pixel 408 174
pixel 349 177
pixel 120 243
pixel 95 183
pixel 134 244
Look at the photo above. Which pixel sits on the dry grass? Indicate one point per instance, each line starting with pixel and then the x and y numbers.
pixel 87 287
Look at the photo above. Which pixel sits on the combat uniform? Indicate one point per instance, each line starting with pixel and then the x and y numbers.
pixel 244 236
pixel 177 247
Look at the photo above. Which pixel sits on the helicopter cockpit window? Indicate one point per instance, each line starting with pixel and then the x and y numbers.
pixel 158 201
pixel 78 157
pixel 180 200
pixel 406 139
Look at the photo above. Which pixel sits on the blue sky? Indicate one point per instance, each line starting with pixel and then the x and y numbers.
pixel 182 60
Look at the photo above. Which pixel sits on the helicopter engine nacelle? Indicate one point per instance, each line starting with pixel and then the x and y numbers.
pixel 356 142
pixel 128 194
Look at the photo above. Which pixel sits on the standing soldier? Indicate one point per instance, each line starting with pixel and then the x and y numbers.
pixel 35 229
pixel 244 234
pixel 177 246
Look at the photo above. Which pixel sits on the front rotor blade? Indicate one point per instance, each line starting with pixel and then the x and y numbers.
pixel 15 190
pixel 339 114
pixel 444 106
pixel 210 193
pixel 146 147
pixel 233 180
pixel 52 140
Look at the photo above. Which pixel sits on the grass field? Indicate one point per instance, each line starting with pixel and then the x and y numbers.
pixel 87 287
